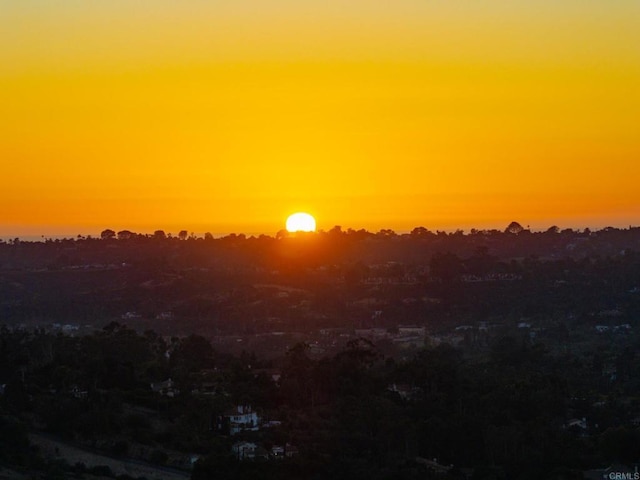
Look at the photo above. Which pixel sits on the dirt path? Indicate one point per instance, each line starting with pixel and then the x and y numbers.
pixel 72 454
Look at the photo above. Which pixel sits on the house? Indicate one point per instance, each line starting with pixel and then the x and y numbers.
pixel 242 418
pixel 624 328
pixel 244 450
pixel 277 452
pixel 207 389
pixel 411 331
pixel 280 452
pixel 249 451
pixel 79 393
pixel 578 425
pixel 166 388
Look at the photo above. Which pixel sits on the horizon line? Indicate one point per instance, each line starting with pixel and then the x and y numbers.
pixel 217 235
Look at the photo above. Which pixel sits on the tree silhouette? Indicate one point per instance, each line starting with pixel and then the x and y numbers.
pixel 421 232
pixel 125 234
pixel 514 227
pixel 107 234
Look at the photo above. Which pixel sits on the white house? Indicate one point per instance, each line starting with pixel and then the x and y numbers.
pixel 249 451
pixel 240 419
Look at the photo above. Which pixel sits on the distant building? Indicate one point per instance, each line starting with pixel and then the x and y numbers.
pixel 249 451
pixel 79 393
pixel 277 452
pixel 239 419
pixel 244 450
pixel 166 388
pixel 410 336
pixel 578 426
pixel 411 331
pixel 578 423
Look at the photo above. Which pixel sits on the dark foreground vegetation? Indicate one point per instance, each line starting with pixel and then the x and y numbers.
pixel 518 412
pixel 490 355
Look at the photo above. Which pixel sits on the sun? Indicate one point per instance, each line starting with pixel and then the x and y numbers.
pixel 301 222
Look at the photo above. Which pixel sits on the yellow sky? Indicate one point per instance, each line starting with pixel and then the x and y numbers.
pixel 190 115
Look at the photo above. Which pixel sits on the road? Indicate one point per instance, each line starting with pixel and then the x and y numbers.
pixel 72 454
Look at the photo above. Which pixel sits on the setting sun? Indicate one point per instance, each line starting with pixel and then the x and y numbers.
pixel 301 222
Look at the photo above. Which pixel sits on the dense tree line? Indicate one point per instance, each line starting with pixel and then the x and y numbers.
pixel 500 415
pixel 310 249
pixel 209 285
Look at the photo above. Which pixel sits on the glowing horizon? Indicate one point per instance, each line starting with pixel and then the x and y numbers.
pixel 224 118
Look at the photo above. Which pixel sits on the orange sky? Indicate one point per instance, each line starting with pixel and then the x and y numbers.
pixel 188 115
